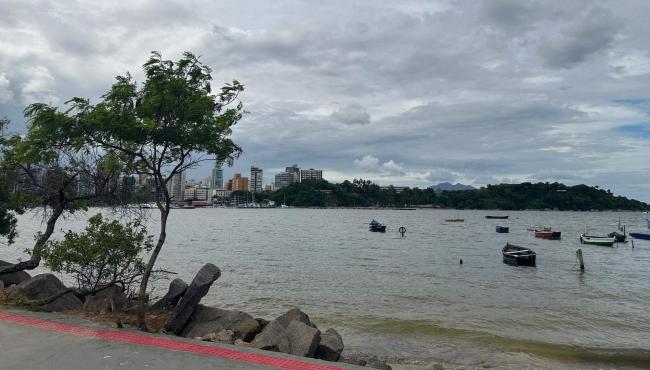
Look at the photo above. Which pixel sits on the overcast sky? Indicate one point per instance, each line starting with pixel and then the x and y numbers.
pixel 400 92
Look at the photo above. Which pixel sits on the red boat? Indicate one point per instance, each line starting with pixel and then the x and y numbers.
pixel 548 234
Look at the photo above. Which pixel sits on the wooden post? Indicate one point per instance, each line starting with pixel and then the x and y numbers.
pixel 579 255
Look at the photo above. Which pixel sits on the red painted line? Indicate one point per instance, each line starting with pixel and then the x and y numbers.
pixel 165 343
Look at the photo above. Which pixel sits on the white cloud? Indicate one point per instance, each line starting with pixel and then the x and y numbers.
pixel 39 87
pixel 367 163
pixel 352 114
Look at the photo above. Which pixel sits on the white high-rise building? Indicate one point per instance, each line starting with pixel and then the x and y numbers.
pixel 176 187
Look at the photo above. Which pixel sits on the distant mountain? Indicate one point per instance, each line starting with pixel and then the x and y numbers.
pixel 447 186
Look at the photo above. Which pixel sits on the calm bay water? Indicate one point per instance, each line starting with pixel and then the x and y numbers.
pixel 409 297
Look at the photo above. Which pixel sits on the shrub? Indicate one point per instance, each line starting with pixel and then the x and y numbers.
pixel 104 253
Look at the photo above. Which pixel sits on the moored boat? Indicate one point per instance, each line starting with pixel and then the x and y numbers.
pixel 547 233
pixel 640 236
pixel 377 226
pixel 497 217
pixel 648 221
pixel 620 238
pixel 518 256
pixel 454 220
pixel 502 229
pixel 605 241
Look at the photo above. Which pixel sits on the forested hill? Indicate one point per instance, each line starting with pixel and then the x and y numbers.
pixel 363 193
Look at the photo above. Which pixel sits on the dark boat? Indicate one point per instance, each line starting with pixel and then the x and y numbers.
pixel 620 238
pixel 377 227
pixel 518 256
pixel 502 229
pixel 497 217
pixel 640 236
pixel 548 234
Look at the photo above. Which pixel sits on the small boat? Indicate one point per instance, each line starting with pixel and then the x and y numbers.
pixel 620 238
pixel 497 217
pixel 606 241
pixel 518 256
pixel 377 227
pixel 502 229
pixel 547 233
pixel 640 236
pixel 454 220
pixel 648 221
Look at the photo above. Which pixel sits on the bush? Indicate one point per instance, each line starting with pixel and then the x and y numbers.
pixel 105 253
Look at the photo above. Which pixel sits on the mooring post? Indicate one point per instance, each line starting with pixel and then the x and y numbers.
pixel 579 255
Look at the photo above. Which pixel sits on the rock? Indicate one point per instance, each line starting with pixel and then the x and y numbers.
pixel 12 277
pixel 101 301
pixel 207 320
pixel 225 336
pixel 273 338
pixel 44 286
pixel 176 290
pixel 303 339
pixel 262 322
pixel 330 347
pixel 239 342
pixel 294 314
pixel 362 359
pixel 197 289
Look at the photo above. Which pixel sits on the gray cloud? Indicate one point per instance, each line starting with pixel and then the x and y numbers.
pixel 352 114
pixel 594 32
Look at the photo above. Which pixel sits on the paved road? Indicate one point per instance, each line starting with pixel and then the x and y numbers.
pixel 46 341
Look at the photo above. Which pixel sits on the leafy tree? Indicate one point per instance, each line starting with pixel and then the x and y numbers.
pixel 106 253
pixel 7 207
pixel 172 122
pixel 46 166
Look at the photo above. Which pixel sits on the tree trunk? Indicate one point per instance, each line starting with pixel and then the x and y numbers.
pixel 35 259
pixel 142 325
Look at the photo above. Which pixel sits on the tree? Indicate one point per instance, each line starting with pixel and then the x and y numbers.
pixel 106 253
pixel 46 167
pixel 7 207
pixel 169 124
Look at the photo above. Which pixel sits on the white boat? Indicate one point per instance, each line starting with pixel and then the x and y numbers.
pixel 597 240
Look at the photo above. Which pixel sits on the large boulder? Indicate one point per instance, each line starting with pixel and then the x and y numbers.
pixel 12 278
pixel 330 346
pixel 197 290
pixel 303 339
pixel 294 314
pixel 100 302
pixel 45 286
pixel 207 320
pixel 273 338
pixel 176 290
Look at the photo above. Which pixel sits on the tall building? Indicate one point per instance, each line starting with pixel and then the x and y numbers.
pixel 176 186
pixel 295 171
pixel 311 174
pixel 239 183
pixel 256 180
pixel 284 179
pixel 217 177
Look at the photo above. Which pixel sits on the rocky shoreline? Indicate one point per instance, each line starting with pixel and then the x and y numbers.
pixel 292 332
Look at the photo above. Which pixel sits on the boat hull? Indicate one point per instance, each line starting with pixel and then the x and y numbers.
pixel 620 238
pixel 546 234
pixel 640 236
pixel 378 228
pixel 517 256
pixel 595 240
pixel 497 217
pixel 502 229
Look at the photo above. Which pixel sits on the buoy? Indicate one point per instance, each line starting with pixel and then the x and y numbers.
pixel 461 261
pixel 402 230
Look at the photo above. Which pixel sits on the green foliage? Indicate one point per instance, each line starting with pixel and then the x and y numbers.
pixel 8 205
pixel 363 193
pixel 105 253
